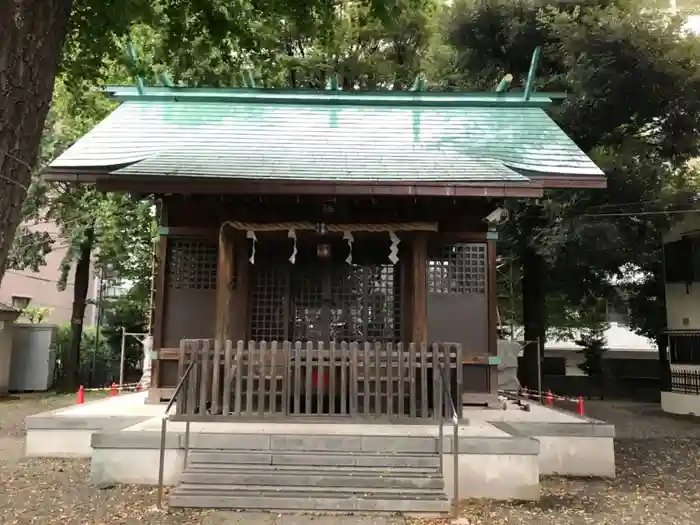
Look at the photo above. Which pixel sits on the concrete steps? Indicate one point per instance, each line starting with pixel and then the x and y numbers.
pixel 273 477
pixel 313 480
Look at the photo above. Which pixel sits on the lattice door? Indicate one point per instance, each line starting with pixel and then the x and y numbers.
pixel 268 307
pixel 327 300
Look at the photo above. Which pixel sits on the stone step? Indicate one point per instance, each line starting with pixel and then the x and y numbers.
pixel 322 479
pixel 349 459
pixel 348 471
pixel 275 443
pixel 303 500
pixel 389 492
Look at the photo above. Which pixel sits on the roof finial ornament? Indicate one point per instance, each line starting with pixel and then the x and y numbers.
pixel 419 83
pixel 166 80
pixel 504 84
pixel 529 84
pixel 131 56
pixel 248 79
pixel 333 83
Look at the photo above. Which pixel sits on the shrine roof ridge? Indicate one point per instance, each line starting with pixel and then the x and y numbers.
pixel 333 97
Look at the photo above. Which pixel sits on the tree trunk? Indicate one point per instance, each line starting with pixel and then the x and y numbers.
pixel 31 37
pixel 534 299
pixel 70 376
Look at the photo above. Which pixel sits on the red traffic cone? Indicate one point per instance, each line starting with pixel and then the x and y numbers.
pixel 138 387
pixel 81 396
pixel 580 406
pixel 113 390
pixel 550 398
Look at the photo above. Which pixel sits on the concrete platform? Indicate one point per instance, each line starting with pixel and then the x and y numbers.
pixel 680 404
pixel 502 453
pixel 570 445
pixel 66 432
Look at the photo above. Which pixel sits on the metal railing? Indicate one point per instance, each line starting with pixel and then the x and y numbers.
pixel 685 379
pixel 449 407
pixel 164 430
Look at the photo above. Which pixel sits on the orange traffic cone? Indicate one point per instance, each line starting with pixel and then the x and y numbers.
pixel 81 396
pixel 580 406
pixel 113 390
pixel 550 398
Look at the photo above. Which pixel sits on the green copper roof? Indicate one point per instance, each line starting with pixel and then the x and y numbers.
pixel 328 136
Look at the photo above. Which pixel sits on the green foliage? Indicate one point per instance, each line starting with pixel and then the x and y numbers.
pixel 35 314
pixel 124 229
pixel 593 342
pixel 369 44
pixel 128 312
pixel 99 361
pixel 641 127
pixel 91 352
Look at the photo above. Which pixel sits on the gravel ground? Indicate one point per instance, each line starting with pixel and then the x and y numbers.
pixel 658 462
pixel 657 482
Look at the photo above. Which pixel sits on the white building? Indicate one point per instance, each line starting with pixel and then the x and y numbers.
pixel 682 277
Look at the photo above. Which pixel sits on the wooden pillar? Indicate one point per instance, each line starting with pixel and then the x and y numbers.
pixel 492 298
pixel 159 291
pixel 419 306
pixel 225 285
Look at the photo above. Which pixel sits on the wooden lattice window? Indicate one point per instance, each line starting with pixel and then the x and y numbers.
pixel 192 264
pixel 458 268
pixel 268 319
pixel 366 303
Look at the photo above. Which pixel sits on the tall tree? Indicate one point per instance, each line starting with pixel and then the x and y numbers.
pixel 32 34
pixel 98 230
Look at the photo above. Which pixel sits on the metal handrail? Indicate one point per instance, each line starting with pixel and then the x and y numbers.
pixel 164 428
pixel 449 406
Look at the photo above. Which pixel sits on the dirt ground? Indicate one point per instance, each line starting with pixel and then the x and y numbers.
pixel 657 460
pixel 56 491
pixel 657 481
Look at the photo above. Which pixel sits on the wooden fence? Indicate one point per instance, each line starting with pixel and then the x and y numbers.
pixel 262 380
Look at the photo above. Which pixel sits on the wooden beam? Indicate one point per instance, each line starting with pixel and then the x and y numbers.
pixel 224 285
pixel 189 185
pixel 186 231
pixel 419 310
